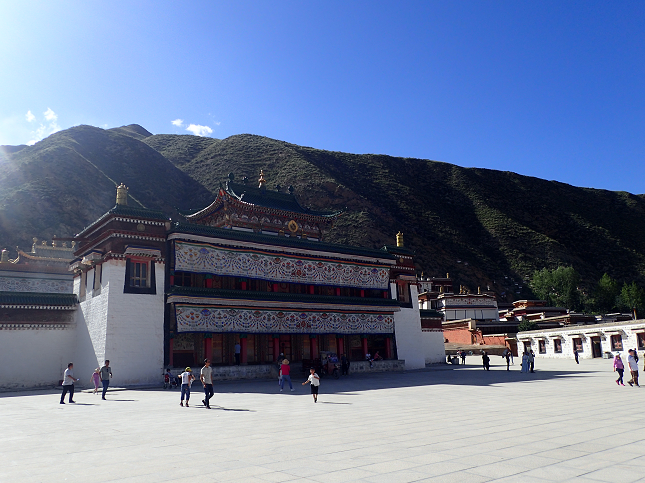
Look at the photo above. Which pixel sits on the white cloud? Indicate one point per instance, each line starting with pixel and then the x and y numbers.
pixel 45 129
pixel 199 130
pixel 50 115
pixel 178 122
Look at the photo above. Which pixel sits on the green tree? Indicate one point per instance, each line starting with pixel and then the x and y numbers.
pixel 527 325
pixel 606 294
pixel 631 298
pixel 559 287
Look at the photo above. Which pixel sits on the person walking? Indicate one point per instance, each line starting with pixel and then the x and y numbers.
pixel 187 379
pixel 619 367
pixel 314 380
pixel 344 365
pixel 507 356
pixel 206 377
pixel 96 378
pixel 575 355
pixel 531 361
pixel 106 374
pixel 68 383
pixel 237 350
pixel 485 361
pixel 525 362
pixel 463 356
pixel 633 368
pixel 285 371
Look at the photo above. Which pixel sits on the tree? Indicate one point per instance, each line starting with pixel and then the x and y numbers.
pixel 559 287
pixel 527 325
pixel 631 298
pixel 606 294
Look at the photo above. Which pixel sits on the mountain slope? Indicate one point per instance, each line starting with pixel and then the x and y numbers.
pixel 67 180
pixel 485 227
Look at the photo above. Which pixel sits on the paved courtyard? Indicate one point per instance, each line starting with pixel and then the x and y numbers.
pixel 563 423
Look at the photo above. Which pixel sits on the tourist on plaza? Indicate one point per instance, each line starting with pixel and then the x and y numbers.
pixel 633 368
pixel 507 356
pixel 206 376
pixel 96 378
pixel 106 374
pixel 285 372
pixel 237 349
pixel 575 354
pixel 619 367
pixel 314 379
pixel 187 379
pixel 368 358
pixel 486 361
pixel 525 362
pixel 531 361
pixel 344 365
pixel 462 354
pixel 68 383
pixel 377 356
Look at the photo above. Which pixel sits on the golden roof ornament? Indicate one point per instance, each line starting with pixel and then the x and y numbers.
pixel 261 181
pixel 121 195
pixel 399 239
pixel 4 258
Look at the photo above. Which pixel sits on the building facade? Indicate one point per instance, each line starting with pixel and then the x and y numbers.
pixel 250 272
pixel 591 341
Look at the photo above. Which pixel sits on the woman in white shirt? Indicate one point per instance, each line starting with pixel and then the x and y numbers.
pixel 187 379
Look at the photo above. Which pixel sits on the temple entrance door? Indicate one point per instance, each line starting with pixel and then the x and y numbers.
pixel 285 346
pixel 596 347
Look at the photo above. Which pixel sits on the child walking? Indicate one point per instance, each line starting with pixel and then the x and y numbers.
pixel 314 379
pixel 96 378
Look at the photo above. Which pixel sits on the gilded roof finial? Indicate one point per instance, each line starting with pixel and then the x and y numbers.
pixel 399 239
pixel 121 195
pixel 262 181
pixel 5 255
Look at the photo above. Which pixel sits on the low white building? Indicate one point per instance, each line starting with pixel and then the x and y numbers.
pixel 594 340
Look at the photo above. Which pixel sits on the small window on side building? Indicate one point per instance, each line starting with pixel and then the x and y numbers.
pixel 557 346
pixel 577 344
pixel 616 342
pixel 542 346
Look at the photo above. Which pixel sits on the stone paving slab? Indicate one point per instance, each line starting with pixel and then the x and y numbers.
pixel 566 422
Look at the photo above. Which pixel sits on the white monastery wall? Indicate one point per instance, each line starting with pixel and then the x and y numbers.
pixel 32 358
pixel 627 331
pixel 135 322
pixel 435 351
pixel 407 330
pixel 125 328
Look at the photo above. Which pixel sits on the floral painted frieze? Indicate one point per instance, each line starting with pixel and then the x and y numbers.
pixel 18 284
pixel 193 318
pixel 203 258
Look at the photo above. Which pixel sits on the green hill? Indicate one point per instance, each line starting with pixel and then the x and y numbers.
pixel 484 227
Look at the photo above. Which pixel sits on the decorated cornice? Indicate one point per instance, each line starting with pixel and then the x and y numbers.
pixel 36 326
pixel 205 258
pixel 195 318
pixel 37 307
pixel 288 245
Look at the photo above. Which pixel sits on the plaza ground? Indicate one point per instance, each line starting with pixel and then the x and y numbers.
pixel 566 422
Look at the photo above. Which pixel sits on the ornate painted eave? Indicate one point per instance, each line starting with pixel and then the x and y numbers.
pixel 178 228
pixel 124 211
pixel 280 300
pixel 30 300
pixel 265 201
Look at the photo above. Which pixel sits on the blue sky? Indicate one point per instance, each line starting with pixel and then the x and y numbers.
pixel 546 89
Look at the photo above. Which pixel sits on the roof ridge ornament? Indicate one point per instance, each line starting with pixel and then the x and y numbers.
pixel 121 195
pixel 261 181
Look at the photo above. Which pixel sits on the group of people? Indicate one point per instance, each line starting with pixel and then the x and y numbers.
pixel 632 363
pixel 100 374
pixel 528 360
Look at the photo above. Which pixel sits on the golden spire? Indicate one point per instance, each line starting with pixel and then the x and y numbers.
pixel 262 181
pixel 121 195
pixel 399 239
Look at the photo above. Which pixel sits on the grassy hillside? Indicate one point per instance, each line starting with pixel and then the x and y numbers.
pixel 67 180
pixel 487 228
